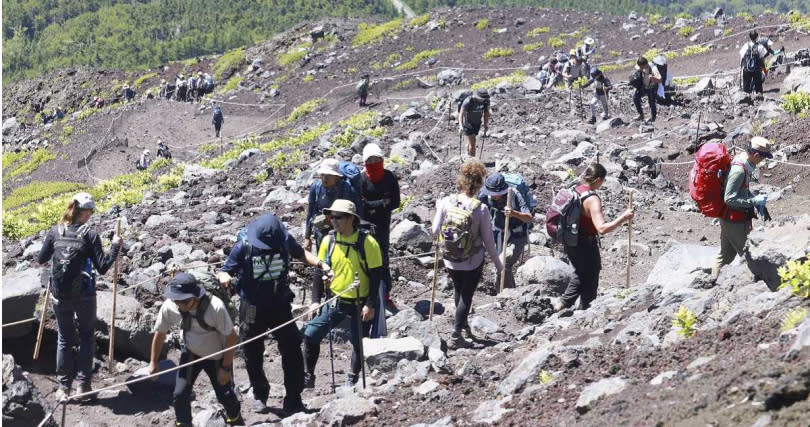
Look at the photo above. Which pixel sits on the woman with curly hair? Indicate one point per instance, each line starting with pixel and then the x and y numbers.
pixel 464 228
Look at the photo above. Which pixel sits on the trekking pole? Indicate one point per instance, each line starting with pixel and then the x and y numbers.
pixel 111 360
pixel 483 140
pixel 360 328
pixel 629 238
pixel 331 354
pixel 697 131
pixel 435 279
pixel 506 230
pixel 42 321
pixel 460 154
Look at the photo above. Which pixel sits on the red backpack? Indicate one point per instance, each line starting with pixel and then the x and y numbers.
pixel 707 179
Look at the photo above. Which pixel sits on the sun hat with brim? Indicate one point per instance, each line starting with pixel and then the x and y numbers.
pixel 266 232
pixel 495 185
pixel 182 287
pixel 329 167
pixel 342 206
pixel 482 93
pixel 762 146
pixel 84 201
pixel 588 40
pixel 371 150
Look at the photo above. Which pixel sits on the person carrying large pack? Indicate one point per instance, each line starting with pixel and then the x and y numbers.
pixel 474 113
pixel 752 56
pixel 207 328
pixel 217 119
pixel 261 263
pixel 494 194
pixel 575 219
pixel 362 90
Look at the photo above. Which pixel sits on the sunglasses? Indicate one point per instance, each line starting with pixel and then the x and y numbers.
pixel 183 302
pixel 338 217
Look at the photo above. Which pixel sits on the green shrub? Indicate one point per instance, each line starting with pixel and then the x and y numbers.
pixel 746 16
pixel 232 154
pixel 795 276
pixel 799 21
pixel 38 190
pixel 11 157
pixel 796 102
pixel 418 58
pixel 370 34
pixel 459 45
pixel 617 66
pixel 544 377
pixel 727 31
pixel 686 31
pixel 229 63
pixel 654 18
pixel 695 50
pixel 261 176
pixel 482 24
pixel 232 84
pixel 555 42
pixel 139 81
pixel 685 322
pixel 301 111
pixel 405 201
pixel 683 15
pixel 516 78
pixel 537 31
pixel 418 21
pixel 38 157
pixel 532 46
pixel 282 161
pixel 207 148
pixel 87 112
pixel 360 123
pixel 579 83
pixel 711 21
pixel 497 52
pixel 404 84
pixel 685 80
pixel 292 56
pixel 793 318
pixel 293 140
pixel 308 78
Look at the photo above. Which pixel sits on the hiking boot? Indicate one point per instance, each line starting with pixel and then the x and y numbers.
pixel 605 116
pixel 466 332
pixel 456 341
pixel 638 118
pixel 293 405
pixel 85 388
pixel 592 120
pixel 389 305
pixel 235 421
pixel 558 305
pixel 61 394
pixel 257 406
pixel 351 380
pixel 309 380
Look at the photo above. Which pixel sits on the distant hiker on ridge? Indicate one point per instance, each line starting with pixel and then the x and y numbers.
pixel 217 120
pixel 752 60
pixel 362 90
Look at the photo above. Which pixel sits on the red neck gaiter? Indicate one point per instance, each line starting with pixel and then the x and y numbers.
pixel 375 171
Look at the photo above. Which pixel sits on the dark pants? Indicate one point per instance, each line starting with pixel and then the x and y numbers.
pixel 289 345
pixel 383 239
pixel 465 283
pixel 318 327
pixel 651 96
pixel 185 384
pixel 587 263
pixel 361 98
pixel 217 127
pixel 71 363
pixel 752 81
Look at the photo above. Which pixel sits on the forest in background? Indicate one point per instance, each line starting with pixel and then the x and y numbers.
pixel 43 35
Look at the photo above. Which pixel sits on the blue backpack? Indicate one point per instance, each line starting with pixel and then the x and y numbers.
pixel 516 181
pixel 351 172
pixel 217 115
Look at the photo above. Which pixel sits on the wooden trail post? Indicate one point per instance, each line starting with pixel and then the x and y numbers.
pixel 629 238
pixel 111 359
pixel 42 321
pixel 506 230
pixel 435 280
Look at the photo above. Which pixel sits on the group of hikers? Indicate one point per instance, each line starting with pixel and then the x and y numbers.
pixel 189 89
pixel 145 158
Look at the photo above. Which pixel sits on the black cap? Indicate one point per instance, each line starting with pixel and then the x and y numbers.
pixel 182 287
pixel 266 232
pixel 495 185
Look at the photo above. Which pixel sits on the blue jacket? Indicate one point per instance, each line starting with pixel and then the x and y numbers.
pixel 321 198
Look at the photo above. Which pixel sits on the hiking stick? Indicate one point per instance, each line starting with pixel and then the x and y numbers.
pixel 629 238
pixel 506 230
pixel 697 131
pixel 483 140
pixel 331 354
pixel 435 279
pixel 360 332
pixel 42 321
pixel 460 154
pixel 111 360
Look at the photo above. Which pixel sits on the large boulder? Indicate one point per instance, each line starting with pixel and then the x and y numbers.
pixel 704 87
pixel 797 80
pixel 767 249
pixel 570 136
pixel 409 323
pixel 23 404
pixel 584 151
pixel 552 274
pixel 10 125
pixel 155 221
pixel 409 234
pixel 280 196
pixel 526 371
pixel 597 390
pixel 346 410
pixel 385 353
pixel 450 77
pixel 133 324
pixel 679 266
pixel 768 110
pixel 162 385
pixel 21 292
pixel 532 85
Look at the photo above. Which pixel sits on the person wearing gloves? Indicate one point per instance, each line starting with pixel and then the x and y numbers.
pixel 261 263
pixel 464 227
pixel 380 192
pixel 355 258
pixel 736 223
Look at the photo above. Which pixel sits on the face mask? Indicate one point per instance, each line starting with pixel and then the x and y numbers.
pixel 375 171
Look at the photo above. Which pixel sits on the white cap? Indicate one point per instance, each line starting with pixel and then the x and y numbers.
pixel 371 150
pixel 84 200
pixel 330 167
pixel 146 152
pixel 660 60
pixel 588 40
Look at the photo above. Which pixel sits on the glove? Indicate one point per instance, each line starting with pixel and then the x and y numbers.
pixel 759 204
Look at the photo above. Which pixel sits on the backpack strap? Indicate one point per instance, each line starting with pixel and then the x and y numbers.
pixel 202 307
pixel 359 247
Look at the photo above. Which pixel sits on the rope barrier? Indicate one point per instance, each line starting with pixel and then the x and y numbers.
pixel 185 365
pixel 212 100
pixel 20 322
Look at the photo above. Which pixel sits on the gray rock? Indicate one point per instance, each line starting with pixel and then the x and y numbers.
pixel 608 124
pixel 193 173
pixel 32 250
pixel 10 125
pixel 532 85
pixel 426 387
pixel 280 196
pixel 584 151
pixel 385 353
pixel 484 325
pixel 597 390
pixel 410 113
pixel 160 220
pixel 768 110
pixel 797 80
pixel 527 370
pixel 570 136
pixel 704 87
pixel 663 376
pixel 532 304
pixel 162 385
pixel 408 322
pixel 409 234
pixel 180 249
pixel 23 404
pixel 133 324
pixel 768 249
pixel 208 417
pixel 802 338
pixel 405 151
pixel 21 292
pixel 300 419
pixel 246 154
pixel 553 274
pixel 739 97
pixel 490 411
pixel 441 422
pixel 679 265
pixel 347 410
pixel 450 77
pixel 411 372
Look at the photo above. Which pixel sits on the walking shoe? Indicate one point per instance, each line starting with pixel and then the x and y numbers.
pixel 293 405
pixel 235 421
pixel 456 341
pixel 85 388
pixel 257 406
pixel 351 380
pixel 309 380
pixel 466 332
pixel 605 116
pixel 592 120
pixel 638 118
pixel 558 305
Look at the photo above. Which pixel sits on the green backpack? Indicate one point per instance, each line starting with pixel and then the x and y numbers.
pixel 212 290
pixel 456 240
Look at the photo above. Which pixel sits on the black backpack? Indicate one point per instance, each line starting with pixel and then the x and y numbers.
pixel 751 61
pixel 69 255
pixel 460 99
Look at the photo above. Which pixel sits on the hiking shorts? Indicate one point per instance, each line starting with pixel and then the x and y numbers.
pixel 471 129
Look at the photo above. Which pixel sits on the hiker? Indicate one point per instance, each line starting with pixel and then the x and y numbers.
pixel 362 90
pixel 144 161
pixel 182 88
pixel 645 81
pixel 261 263
pixel 322 193
pixel 98 102
pixel 473 110
pixel 549 76
pixel 148 95
pixel 163 150
pixel 353 255
pixel 768 45
pixel 184 296
pixel 209 83
pixel 585 257
pixel 464 228
pixel 193 81
pixel 59 113
pixel 736 223
pixel 380 193
pixel 494 195
pixel 74 249
pixel 129 93
pixel 171 88
pixel 217 120
pixel 664 89
pixel 572 70
pixel 752 60
pixel 162 89
pixel 587 49
pixel 601 89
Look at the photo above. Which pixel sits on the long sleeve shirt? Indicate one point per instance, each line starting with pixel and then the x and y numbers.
pixel 737 195
pixel 481 232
